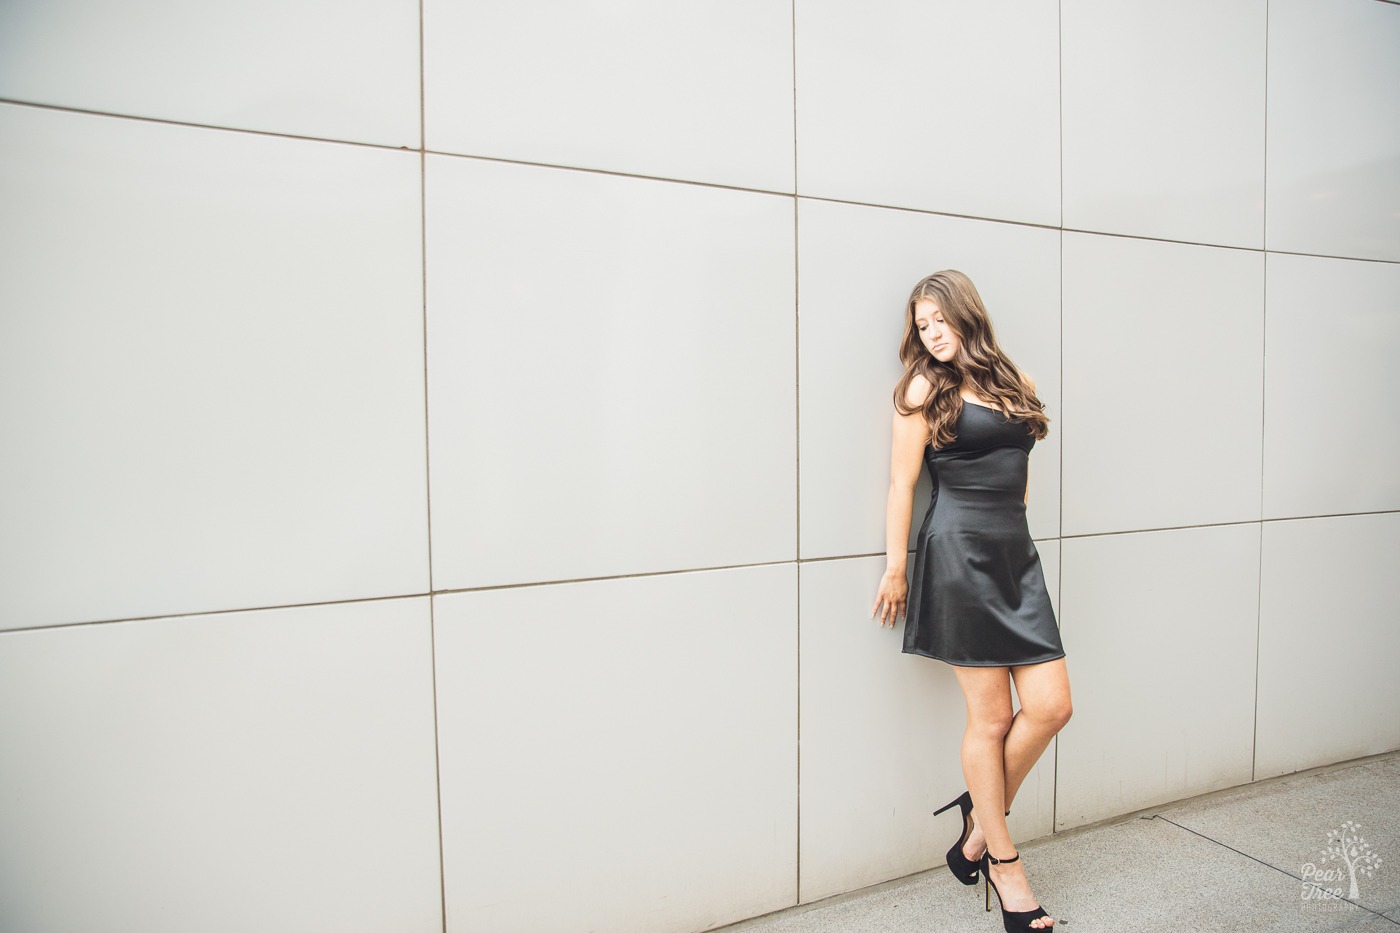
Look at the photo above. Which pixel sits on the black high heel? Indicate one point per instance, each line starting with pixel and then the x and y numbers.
pixel 962 867
pixel 1015 921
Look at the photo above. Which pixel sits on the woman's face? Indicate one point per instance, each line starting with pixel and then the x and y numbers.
pixel 938 338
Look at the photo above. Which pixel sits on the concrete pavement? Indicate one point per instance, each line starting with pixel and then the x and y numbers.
pixel 1245 859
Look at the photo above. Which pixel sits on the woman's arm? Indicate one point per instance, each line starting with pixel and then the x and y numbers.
pixel 909 436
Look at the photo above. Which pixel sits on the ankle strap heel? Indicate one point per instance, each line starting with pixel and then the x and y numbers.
pixel 962 867
pixel 1013 921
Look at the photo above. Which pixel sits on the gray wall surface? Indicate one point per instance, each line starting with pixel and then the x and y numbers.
pixel 445 445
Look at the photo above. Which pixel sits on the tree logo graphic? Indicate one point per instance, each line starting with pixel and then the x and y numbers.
pixel 1352 857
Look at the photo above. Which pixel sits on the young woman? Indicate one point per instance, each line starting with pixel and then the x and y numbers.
pixel 978 599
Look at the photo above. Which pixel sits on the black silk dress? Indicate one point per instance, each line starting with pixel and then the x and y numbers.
pixel 977 597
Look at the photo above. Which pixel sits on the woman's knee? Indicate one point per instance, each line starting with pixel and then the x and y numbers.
pixel 1054 712
pixel 992 724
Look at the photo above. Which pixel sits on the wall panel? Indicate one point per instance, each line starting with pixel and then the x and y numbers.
pixel 268 770
pixel 211 370
pixel 619 754
pixel 301 67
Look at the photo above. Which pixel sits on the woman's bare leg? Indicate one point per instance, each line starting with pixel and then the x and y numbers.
pixel 987 691
pixel 1043 690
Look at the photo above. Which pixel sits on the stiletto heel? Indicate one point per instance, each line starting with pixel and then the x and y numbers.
pixel 962 867
pixel 1015 921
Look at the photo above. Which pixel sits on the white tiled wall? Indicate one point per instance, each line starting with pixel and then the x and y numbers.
pixel 1164 119
pixel 1332 338
pixel 264 770
pixel 604 738
pixel 1327 641
pixel 445 445
pixel 1161 626
pixel 211 354
pixel 1334 129
pixel 949 106
pixel 627 344
pixel 1163 360
pixel 315 68
pixel 694 91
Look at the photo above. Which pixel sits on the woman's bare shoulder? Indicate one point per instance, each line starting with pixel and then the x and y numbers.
pixel 918 391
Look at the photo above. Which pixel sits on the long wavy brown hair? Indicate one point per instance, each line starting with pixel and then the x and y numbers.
pixel 979 361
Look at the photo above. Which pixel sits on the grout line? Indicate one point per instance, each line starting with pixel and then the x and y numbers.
pixel 1162 239
pixel 650 573
pixel 796 311
pixel 423 258
pixel 437 763
pixel 797 452
pixel 1060 563
pixel 904 209
pixel 1243 521
pixel 1264 214
pixel 1086 230
pixel 680 181
pixel 427 459
pixel 1263 417
pixel 163 121
pixel 613 173
pixel 620 576
pixel 1263 414
pixel 1283 871
pixel 797 764
pixel 209 612
pixel 1280 252
pixel 1108 233
pixel 1259 575
pixel 422 84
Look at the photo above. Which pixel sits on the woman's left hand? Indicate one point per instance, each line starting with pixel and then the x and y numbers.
pixel 892 597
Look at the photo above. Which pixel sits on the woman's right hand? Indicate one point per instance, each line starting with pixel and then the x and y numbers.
pixel 892 598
